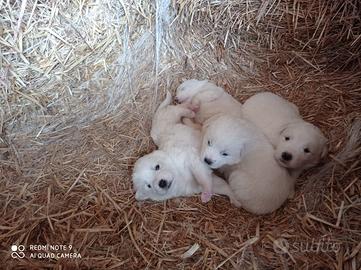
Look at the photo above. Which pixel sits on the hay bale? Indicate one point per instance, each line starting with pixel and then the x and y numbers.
pixel 79 82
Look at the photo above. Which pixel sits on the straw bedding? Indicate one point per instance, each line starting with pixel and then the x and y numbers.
pixel 79 82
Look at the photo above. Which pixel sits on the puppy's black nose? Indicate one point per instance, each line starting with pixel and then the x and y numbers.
pixel 162 183
pixel 208 161
pixel 176 100
pixel 286 156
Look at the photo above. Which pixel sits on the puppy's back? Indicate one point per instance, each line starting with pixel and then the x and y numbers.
pixel 215 101
pixel 259 182
pixel 269 112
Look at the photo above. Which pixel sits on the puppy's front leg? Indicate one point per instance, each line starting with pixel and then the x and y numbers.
pixel 204 178
pixel 188 121
pixel 158 126
pixel 175 113
pixel 221 187
pixel 157 130
pixel 169 116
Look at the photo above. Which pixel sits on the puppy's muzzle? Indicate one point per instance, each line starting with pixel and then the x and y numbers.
pixel 208 161
pixel 286 156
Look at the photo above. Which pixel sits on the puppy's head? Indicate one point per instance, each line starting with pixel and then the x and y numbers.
pixel 188 89
pixel 300 145
pixel 223 142
pixel 153 176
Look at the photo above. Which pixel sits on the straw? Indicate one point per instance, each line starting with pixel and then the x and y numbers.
pixel 79 81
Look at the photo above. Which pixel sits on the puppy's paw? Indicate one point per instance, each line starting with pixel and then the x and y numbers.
pixel 194 106
pixel 177 100
pixel 188 114
pixel 206 197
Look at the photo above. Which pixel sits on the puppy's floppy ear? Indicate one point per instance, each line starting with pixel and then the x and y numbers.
pixel 242 149
pixel 324 151
pixel 211 93
pixel 323 141
pixel 283 128
pixel 324 148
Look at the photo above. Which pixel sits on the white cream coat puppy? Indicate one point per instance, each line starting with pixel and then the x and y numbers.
pixel 242 152
pixel 298 144
pixel 210 99
pixel 175 169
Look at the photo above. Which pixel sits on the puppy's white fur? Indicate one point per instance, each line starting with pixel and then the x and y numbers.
pixel 281 122
pixel 259 183
pixel 177 162
pixel 210 99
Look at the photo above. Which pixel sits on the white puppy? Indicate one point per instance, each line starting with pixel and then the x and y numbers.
pixel 299 145
pixel 245 156
pixel 176 168
pixel 210 99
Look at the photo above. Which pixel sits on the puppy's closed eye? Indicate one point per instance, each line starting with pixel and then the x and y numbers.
pixel 224 154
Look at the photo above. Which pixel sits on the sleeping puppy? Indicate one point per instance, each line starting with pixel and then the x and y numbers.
pixel 175 169
pixel 299 145
pixel 245 156
pixel 208 99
